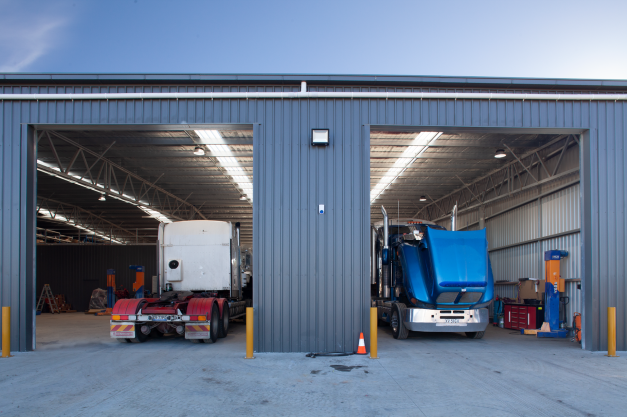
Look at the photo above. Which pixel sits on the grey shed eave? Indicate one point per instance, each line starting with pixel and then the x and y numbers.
pixel 315 79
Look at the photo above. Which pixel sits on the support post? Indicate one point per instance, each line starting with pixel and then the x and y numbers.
pixel 6 332
pixel 249 333
pixel 611 332
pixel 373 333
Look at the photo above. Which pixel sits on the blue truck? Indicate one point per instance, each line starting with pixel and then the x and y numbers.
pixel 429 279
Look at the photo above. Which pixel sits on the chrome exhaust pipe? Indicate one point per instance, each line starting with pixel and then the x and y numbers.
pixel 385 255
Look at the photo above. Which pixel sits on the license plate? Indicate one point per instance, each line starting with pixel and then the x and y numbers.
pixel 451 320
pixel 123 334
pixel 159 318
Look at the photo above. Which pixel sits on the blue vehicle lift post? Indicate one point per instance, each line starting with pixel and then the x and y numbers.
pixel 553 286
pixel 138 285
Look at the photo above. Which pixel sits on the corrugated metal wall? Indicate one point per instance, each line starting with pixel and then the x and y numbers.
pixel 313 270
pixel 77 270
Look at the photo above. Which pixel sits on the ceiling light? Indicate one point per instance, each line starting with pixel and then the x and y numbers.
pixel 102 198
pixel 500 153
pixel 220 150
pixel 423 198
pixel 199 151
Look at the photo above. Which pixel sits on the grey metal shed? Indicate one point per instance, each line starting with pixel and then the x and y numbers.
pixel 311 271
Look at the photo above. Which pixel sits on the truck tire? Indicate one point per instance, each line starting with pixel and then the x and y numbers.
pixel 396 321
pixel 474 335
pixel 223 328
pixel 215 324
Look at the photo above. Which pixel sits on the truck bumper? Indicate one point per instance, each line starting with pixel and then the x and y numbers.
pixel 422 320
pixel 122 330
pixel 197 330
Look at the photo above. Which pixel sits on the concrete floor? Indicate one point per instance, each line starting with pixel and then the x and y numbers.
pixel 78 370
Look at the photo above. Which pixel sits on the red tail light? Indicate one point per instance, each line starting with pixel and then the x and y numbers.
pixel 123 317
pixel 193 318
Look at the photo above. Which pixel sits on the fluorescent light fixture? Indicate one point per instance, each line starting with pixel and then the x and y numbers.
pixel 217 145
pixel 420 144
pixel 423 198
pixel 199 151
pixel 500 153
pixel 141 204
pixel 320 137
pixel 60 218
pixel 102 198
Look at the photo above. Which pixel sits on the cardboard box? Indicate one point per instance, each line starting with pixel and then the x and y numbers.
pixel 531 289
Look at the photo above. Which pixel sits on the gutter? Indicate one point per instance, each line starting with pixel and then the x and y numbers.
pixel 304 94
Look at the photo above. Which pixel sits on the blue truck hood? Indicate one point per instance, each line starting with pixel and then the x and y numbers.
pixel 448 262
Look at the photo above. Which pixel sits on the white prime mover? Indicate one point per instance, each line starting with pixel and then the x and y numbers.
pixel 200 285
pixel 200 255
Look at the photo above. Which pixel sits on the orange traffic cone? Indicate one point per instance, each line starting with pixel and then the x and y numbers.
pixel 361 350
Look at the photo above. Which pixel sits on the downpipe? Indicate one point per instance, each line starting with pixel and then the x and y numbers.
pixel 454 218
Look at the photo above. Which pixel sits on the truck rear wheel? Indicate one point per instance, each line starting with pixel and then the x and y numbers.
pixel 214 323
pixel 474 335
pixel 396 321
pixel 223 328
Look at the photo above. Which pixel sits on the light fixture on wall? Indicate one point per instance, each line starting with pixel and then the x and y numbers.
pixel 500 153
pixel 102 198
pixel 320 137
pixel 423 198
pixel 199 151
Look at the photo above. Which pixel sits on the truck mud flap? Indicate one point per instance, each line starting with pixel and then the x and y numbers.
pixel 123 331
pixel 197 331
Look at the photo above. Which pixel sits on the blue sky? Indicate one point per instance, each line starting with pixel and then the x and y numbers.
pixel 558 39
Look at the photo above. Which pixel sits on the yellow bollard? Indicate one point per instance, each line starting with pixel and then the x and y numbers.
pixel 611 332
pixel 249 333
pixel 6 332
pixel 373 333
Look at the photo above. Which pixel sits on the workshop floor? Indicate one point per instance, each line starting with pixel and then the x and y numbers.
pixel 78 370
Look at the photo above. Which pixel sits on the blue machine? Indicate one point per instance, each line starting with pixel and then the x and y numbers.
pixel 110 288
pixel 138 285
pixel 552 294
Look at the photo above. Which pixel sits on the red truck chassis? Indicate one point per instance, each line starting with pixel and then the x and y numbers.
pixel 202 318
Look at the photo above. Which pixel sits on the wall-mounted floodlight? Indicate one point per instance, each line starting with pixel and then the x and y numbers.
pixel 199 151
pixel 243 198
pixel 320 137
pixel 423 198
pixel 500 153
pixel 102 198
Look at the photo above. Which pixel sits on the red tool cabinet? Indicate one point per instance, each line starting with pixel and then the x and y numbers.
pixel 523 316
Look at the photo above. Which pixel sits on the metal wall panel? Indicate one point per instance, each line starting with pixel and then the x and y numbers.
pixel 311 290
pixel 77 270
pixel 517 262
pixel 515 226
pixel 573 292
pixel 560 211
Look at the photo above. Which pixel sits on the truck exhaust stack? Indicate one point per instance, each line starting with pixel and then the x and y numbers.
pixel 385 273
